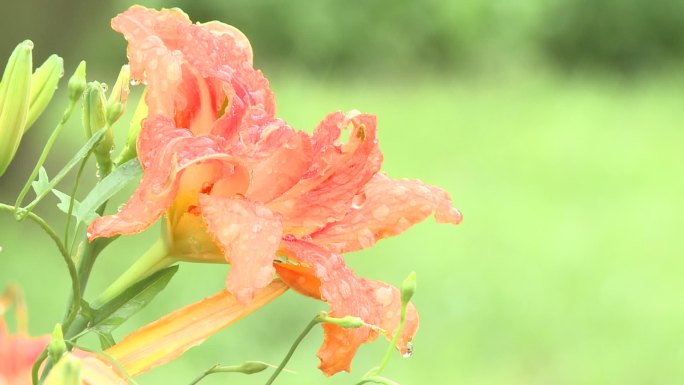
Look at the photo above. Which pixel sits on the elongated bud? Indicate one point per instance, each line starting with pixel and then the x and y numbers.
pixel 67 371
pixel 94 118
pixel 130 150
pixel 116 103
pixel 43 86
pixel 77 82
pixel 347 322
pixel 408 288
pixel 57 347
pixel 15 91
pixel 94 110
pixel 249 367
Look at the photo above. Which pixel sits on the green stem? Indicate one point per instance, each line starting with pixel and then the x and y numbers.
pixel 43 156
pixel 73 198
pixel 36 366
pixel 315 321
pixel 75 284
pixel 155 259
pixel 395 339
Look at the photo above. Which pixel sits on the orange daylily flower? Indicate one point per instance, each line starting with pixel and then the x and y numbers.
pixel 239 185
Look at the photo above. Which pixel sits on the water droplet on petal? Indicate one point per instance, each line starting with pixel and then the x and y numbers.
pixel 135 82
pixel 289 237
pixel 409 350
pixel 89 234
pixel 358 200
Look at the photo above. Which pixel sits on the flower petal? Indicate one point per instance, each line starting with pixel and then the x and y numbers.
pixel 169 337
pixel 281 158
pixel 176 150
pixel 249 235
pixel 169 52
pixel 375 302
pixel 386 208
pixel 338 171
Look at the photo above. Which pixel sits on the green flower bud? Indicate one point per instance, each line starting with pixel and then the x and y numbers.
pixel 15 91
pixel 408 288
pixel 94 118
pixel 57 347
pixel 116 103
pixel 94 111
pixel 66 372
pixel 77 82
pixel 347 322
pixel 251 367
pixel 130 151
pixel 43 85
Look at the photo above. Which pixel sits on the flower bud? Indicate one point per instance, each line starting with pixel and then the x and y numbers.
pixel 57 347
pixel 15 90
pixel 408 288
pixel 251 367
pixel 77 82
pixel 116 103
pixel 347 322
pixel 130 151
pixel 66 372
pixel 43 85
pixel 94 112
pixel 94 118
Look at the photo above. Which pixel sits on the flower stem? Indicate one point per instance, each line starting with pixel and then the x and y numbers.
pixel 43 156
pixel 155 259
pixel 315 321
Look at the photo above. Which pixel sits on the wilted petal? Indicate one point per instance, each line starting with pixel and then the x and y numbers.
pixel 386 208
pixel 173 334
pixel 377 303
pixel 249 235
pixel 337 173
pixel 177 150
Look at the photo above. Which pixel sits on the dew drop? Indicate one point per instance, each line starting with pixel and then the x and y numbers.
pixel 409 350
pixel 358 200
pixel 289 237
pixel 89 234
pixel 104 86
pixel 135 82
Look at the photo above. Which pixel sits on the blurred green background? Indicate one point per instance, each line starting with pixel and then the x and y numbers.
pixel 555 125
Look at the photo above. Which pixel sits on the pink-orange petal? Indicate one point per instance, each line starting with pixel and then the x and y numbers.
pixel 282 157
pixel 377 303
pixel 206 55
pixel 338 172
pixel 248 234
pixel 163 166
pixel 386 208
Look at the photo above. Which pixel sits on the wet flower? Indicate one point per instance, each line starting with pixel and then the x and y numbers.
pixel 239 185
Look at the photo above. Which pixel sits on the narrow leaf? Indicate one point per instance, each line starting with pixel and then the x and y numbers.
pixel 106 339
pixel 112 184
pixel 117 311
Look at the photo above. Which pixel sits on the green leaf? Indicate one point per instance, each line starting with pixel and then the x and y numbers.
pixel 106 339
pixel 63 205
pixel 42 185
pixel 118 310
pixel 112 184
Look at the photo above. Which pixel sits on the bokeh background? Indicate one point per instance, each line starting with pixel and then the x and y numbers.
pixel 556 126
